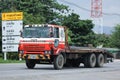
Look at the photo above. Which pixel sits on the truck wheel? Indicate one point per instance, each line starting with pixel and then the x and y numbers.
pixel 30 64
pixel 90 61
pixel 100 60
pixel 59 62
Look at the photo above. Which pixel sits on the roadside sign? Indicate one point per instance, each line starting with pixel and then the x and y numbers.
pixel 9 48
pixel 10 40
pixel 12 16
pixel 11 26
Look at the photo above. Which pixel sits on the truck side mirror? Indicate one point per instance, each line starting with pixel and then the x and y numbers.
pixel 56 43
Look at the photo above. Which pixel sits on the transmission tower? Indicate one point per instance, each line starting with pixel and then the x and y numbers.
pixel 96 13
pixel 96 8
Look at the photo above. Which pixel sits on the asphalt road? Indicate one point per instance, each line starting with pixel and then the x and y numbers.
pixel 19 71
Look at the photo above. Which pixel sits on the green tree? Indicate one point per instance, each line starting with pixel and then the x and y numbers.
pixel 102 39
pixel 80 30
pixel 115 38
pixel 36 11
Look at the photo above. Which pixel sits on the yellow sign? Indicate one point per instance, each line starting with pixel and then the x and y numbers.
pixel 12 16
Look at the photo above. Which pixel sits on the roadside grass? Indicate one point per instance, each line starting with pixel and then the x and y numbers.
pixel 10 61
pixel 11 58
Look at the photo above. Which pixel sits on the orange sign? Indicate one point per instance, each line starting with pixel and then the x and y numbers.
pixel 12 16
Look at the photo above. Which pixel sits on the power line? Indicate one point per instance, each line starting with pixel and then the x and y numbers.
pixel 116 14
pixel 85 9
pixel 75 5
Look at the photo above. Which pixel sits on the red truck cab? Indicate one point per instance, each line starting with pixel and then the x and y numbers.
pixel 39 43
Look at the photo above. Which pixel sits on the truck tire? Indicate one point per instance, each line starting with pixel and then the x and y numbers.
pixel 90 61
pixel 58 62
pixel 30 63
pixel 100 60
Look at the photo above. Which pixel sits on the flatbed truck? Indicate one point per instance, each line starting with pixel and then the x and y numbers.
pixel 48 44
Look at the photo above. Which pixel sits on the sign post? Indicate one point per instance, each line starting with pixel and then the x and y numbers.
pixel 11 25
pixel 5 55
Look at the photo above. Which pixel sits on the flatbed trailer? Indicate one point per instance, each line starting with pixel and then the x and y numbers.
pixel 90 57
pixel 83 50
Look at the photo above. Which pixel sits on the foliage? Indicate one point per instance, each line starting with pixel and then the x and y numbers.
pixel 80 30
pixel 11 58
pixel 35 11
pixel 115 38
pixel 102 39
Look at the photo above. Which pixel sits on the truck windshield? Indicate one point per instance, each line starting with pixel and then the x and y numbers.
pixel 39 32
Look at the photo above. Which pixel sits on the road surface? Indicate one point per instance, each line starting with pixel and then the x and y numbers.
pixel 18 71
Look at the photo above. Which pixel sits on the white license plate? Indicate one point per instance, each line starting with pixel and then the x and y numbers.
pixel 32 56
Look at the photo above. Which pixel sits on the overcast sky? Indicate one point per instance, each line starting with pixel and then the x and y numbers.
pixel 108 6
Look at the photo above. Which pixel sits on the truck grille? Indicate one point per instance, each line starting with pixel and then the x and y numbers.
pixel 33 47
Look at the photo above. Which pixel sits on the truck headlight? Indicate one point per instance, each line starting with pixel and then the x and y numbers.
pixel 47 52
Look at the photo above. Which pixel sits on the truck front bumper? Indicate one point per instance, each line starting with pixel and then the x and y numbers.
pixel 35 56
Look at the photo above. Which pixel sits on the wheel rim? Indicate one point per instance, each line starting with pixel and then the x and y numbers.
pixel 92 60
pixel 101 60
pixel 60 61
